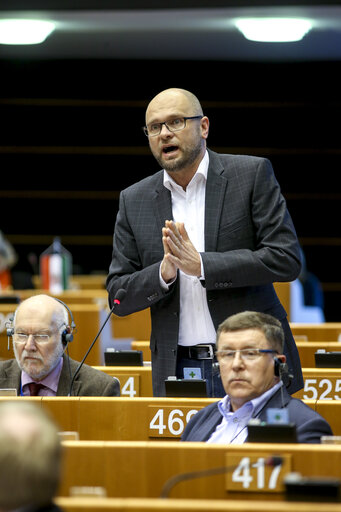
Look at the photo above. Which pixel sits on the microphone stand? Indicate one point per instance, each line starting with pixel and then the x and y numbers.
pixel 119 297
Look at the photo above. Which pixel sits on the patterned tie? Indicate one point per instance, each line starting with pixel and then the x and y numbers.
pixel 34 388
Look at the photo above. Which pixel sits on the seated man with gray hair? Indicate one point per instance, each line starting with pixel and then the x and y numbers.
pixel 41 333
pixel 252 365
pixel 30 458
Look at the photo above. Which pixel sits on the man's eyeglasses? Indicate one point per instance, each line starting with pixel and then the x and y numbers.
pixel 174 125
pixel 247 354
pixel 20 337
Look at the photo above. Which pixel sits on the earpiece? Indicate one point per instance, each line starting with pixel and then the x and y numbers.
pixel 280 368
pixel 9 328
pixel 67 335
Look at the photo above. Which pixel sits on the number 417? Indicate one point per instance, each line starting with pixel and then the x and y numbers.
pixel 243 474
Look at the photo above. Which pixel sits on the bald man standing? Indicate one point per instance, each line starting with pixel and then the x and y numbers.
pixel 40 367
pixel 202 239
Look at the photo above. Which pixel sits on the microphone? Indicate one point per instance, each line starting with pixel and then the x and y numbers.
pixel 274 460
pixel 121 293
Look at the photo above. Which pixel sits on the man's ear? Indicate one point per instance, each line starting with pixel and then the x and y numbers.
pixel 205 126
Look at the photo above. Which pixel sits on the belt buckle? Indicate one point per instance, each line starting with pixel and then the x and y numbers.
pixel 210 351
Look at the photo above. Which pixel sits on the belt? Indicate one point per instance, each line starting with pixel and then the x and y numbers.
pixel 196 351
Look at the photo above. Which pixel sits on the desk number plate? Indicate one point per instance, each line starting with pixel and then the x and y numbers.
pixel 254 474
pixel 168 421
pixel 130 385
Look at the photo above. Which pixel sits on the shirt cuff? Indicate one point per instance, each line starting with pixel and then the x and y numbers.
pixel 202 277
pixel 163 283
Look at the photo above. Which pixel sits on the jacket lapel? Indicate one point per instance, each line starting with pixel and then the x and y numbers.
pixel 214 200
pixel 66 376
pixel 162 205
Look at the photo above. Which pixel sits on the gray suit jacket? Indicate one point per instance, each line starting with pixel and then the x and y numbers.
pixel 89 382
pixel 250 243
pixel 310 426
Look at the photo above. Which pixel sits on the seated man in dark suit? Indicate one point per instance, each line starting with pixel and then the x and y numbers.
pixel 41 333
pixel 30 458
pixel 251 362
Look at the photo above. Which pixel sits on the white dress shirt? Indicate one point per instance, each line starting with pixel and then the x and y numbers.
pixel 188 206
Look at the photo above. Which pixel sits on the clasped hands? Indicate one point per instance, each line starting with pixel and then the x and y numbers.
pixel 179 252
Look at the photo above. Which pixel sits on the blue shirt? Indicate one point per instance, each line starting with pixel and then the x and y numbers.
pixel 233 427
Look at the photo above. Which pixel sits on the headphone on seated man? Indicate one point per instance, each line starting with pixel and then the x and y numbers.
pixel 281 370
pixel 67 334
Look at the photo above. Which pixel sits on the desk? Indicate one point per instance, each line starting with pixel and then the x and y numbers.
pixel 123 419
pixel 136 326
pixel 134 380
pixel 81 296
pixel 321 384
pixel 328 331
pixel 331 411
pixel 82 281
pixel 140 469
pixel 144 346
pixel 183 505
pixel 307 349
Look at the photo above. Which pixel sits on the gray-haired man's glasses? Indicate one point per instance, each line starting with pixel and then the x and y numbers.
pixel 174 125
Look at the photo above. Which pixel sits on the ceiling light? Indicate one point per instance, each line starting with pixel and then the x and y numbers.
pixel 24 31
pixel 278 30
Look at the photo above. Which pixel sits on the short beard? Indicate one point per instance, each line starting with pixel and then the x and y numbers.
pixel 189 157
pixel 49 365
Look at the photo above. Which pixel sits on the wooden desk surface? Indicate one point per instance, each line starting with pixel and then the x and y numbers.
pixel 125 419
pixel 141 469
pixel 182 505
pixel 72 296
pixel 135 380
pixel 327 331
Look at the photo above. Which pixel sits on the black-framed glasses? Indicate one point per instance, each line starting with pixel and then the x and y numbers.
pixel 174 125
pixel 247 354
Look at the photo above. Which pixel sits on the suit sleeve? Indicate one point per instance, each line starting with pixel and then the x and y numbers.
pixel 127 269
pixel 310 426
pixel 113 388
pixel 263 247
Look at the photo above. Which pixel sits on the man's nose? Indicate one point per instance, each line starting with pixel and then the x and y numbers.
pixel 237 360
pixel 30 343
pixel 165 132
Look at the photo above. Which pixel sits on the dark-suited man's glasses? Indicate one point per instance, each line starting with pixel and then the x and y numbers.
pixel 174 125
pixel 247 354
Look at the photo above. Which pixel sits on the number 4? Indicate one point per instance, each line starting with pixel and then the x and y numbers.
pixel 242 473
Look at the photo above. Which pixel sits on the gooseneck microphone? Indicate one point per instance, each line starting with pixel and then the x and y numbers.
pixel 121 293
pixel 275 460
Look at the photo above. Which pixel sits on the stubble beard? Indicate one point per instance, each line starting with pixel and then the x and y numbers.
pixel 188 157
